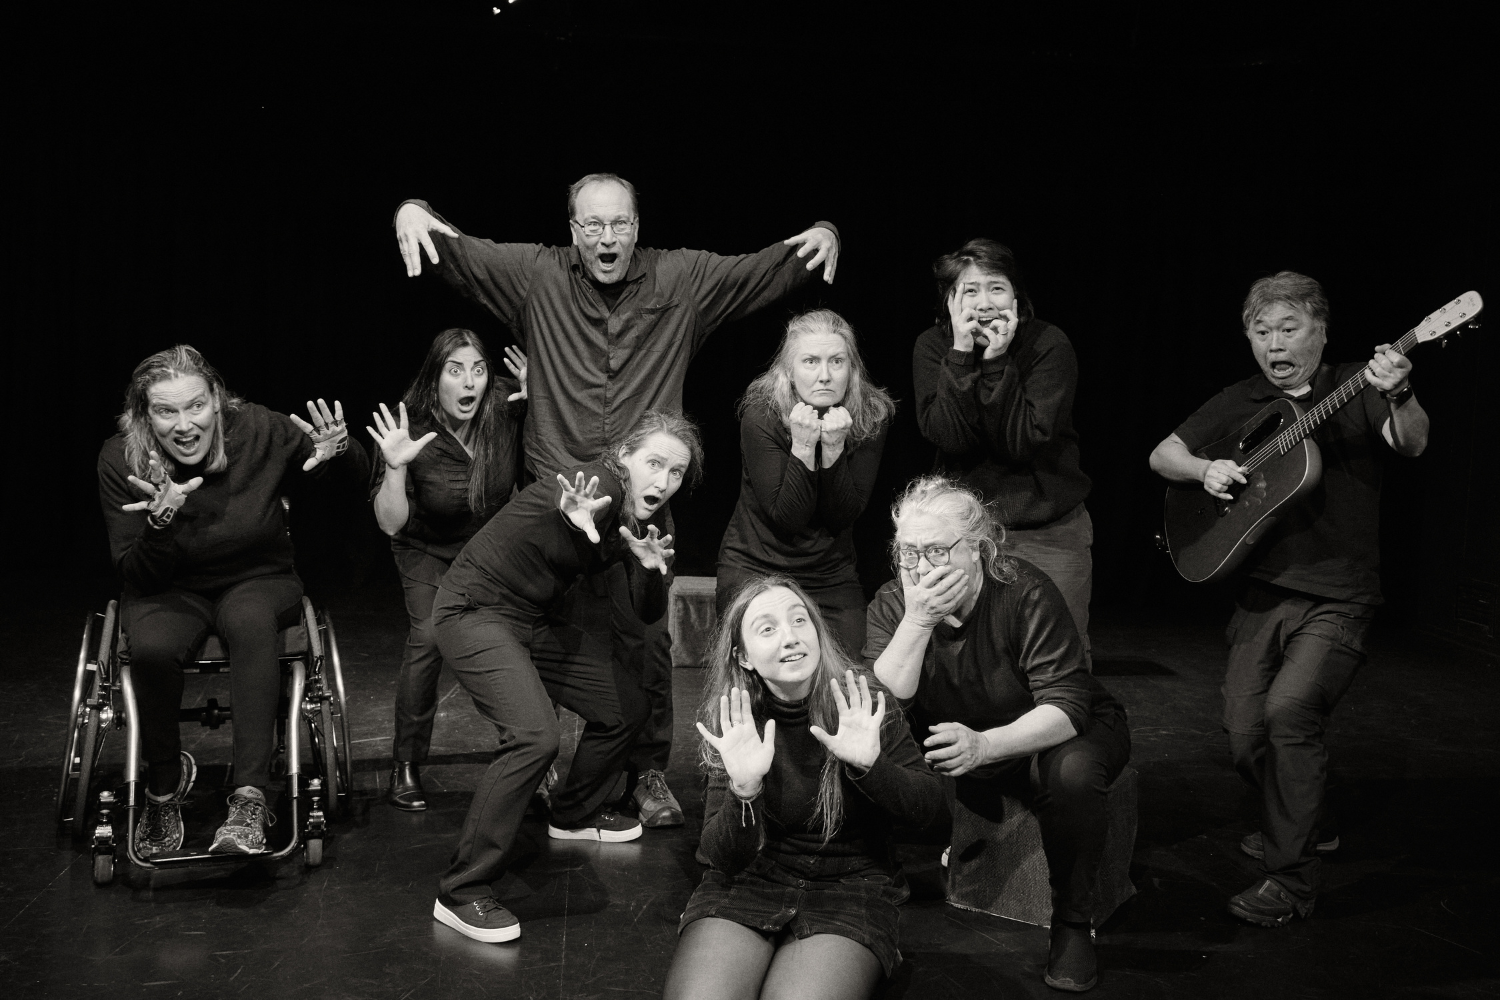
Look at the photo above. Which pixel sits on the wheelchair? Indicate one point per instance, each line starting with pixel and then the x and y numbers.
pixel 104 701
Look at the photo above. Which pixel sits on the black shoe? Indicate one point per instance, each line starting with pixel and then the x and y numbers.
pixel 1254 844
pixel 1071 964
pixel 406 787
pixel 1269 905
pixel 483 919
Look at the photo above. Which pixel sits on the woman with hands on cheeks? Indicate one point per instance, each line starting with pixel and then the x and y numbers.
pixel 812 429
pixel 205 551
pixel 987 649
pixel 502 624
pixel 807 771
pixel 448 461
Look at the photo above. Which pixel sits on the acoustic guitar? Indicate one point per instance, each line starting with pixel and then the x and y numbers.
pixel 1208 537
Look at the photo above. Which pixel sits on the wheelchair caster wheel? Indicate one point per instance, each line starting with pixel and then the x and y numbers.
pixel 314 853
pixel 104 869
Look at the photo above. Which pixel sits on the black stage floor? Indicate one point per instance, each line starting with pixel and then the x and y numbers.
pixel 1408 910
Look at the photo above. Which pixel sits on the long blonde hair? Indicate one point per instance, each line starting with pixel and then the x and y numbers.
pixel 725 671
pixel 135 420
pixel 870 406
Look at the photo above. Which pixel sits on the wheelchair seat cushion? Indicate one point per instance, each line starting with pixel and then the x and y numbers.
pixel 290 642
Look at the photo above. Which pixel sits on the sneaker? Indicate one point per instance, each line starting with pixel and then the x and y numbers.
pixel 1254 845
pixel 654 801
pixel 1269 905
pixel 483 919
pixel 1071 964
pixel 607 826
pixel 244 832
pixel 160 828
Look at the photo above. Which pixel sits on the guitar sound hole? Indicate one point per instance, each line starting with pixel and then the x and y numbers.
pixel 1264 430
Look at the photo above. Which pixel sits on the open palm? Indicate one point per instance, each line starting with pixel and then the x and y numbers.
pixel 578 504
pixel 394 437
pixel 746 756
pixel 858 740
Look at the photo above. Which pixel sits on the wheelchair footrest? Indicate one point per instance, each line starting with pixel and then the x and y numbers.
pixel 213 715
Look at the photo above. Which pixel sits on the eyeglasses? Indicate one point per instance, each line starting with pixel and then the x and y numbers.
pixel 593 227
pixel 937 555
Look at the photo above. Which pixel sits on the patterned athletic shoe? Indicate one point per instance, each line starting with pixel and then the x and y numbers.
pixel 654 801
pixel 244 832
pixel 160 828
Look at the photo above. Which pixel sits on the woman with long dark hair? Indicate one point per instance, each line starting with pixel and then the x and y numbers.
pixel 807 772
pixel 449 461
pixel 812 429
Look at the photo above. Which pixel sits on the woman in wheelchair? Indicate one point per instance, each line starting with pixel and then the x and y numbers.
pixel 500 621
pixel 444 474
pixel 191 489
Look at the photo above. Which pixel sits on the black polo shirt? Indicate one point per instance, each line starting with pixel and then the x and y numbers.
pixel 1328 545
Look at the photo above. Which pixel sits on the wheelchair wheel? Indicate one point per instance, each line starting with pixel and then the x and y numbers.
pixel 104 869
pixel 74 729
pixel 314 852
pixel 89 745
pixel 334 671
pixel 329 761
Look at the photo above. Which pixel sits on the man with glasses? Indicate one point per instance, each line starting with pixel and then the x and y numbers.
pixel 985 650
pixel 609 330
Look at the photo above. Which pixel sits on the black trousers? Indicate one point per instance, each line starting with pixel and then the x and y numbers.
pixel 421 662
pixel 1068 798
pixel 165 629
pixel 515 665
pixel 1292 656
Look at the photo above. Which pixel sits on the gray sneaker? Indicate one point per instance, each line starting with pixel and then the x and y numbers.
pixel 160 828
pixel 244 832
pixel 655 803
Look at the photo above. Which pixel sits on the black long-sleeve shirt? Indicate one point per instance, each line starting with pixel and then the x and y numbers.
pixel 530 554
pixel 1018 649
pixel 233 527
pixel 439 520
pixel 781 822
pixel 793 520
pixel 1005 426
pixel 594 366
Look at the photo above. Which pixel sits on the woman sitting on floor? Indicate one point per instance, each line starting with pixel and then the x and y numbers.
pixel 440 481
pixel 801 899
pixel 206 552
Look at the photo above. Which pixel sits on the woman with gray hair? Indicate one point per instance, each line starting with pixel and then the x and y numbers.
pixel 812 429
pixel 986 646
pixel 191 490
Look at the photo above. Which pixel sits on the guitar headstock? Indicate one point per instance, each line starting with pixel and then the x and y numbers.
pixel 1451 316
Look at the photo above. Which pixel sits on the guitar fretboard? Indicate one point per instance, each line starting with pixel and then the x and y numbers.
pixel 1330 404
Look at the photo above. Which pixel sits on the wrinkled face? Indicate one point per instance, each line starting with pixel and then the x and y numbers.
pixel 820 369
pixel 1287 345
pixel 779 641
pixel 656 470
pixel 462 383
pixel 184 418
pixel 606 257
pixel 923 531
pixel 985 293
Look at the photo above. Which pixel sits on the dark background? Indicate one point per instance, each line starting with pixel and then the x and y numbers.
pixel 226 176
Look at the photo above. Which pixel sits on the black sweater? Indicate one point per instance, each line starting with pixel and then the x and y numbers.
pixel 529 555
pixel 232 528
pixel 1005 426
pixel 781 822
pixel 792 520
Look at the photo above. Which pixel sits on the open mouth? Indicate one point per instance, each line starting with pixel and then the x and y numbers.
pixel 607 260
pixel 651 500
pixel 186 443
pixel 793 657
pixel 467 402
pixel 1282 368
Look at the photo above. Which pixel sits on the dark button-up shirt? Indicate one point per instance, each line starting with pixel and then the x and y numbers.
pixel 593 370
pixel 1327 545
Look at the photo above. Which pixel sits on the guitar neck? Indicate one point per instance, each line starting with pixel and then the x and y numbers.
pixel 1333 402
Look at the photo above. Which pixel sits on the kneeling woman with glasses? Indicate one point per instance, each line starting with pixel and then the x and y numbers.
pixel 987 647
pixel 807 772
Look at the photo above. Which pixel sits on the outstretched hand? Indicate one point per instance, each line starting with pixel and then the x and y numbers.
pixel 516 362
pixel 394 439
pixel 166 497
pixel 652 552
pixel 825 243
pixel 330 436
pixel 746 755
pixel 413 224
pixel 857 742
pixel 578 504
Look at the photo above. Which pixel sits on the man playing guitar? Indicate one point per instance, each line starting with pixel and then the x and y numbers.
pixel 1313 583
